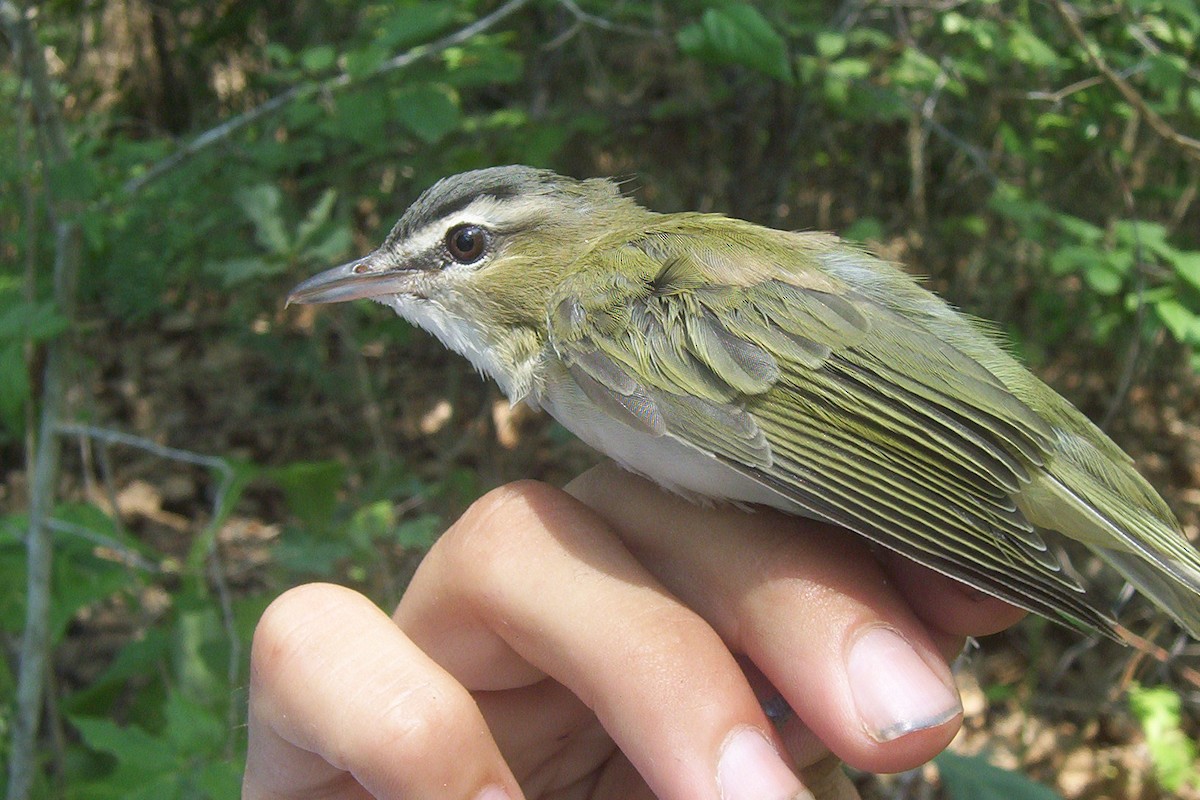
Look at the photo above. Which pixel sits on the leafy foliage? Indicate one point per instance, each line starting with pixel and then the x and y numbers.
pixel 1158 710
pixel 983 142
pixel 973 778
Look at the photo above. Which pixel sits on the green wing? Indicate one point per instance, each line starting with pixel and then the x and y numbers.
pixel 832 398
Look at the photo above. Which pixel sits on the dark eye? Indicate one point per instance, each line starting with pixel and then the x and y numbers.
pixel 466 243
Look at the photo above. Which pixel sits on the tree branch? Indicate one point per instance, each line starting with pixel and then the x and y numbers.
pixel 229 127
pixel 1189 145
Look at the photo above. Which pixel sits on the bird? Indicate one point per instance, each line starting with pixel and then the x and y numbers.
pixel 731 362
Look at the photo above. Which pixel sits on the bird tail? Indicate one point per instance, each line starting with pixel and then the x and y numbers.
pixel 1167 589
pixel 1140 541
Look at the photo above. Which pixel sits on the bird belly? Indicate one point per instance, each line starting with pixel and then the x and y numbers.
pixel 675 465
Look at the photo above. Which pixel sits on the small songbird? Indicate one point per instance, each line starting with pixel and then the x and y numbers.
pixel 733 362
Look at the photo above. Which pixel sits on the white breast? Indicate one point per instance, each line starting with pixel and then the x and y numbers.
pixel 673 464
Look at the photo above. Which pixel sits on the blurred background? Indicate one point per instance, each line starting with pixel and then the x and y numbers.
pixel 177 448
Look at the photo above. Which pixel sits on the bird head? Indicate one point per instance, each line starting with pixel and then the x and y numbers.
pixel 476 259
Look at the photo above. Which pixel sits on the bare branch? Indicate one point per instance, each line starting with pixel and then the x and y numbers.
pixel 585 18
pixel 110 436
pixel 125 554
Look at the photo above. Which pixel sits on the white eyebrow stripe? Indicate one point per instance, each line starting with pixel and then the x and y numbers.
pixel 486 212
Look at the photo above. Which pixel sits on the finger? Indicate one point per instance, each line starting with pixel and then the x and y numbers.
pixel 947 604
pixel 343 705
pixel 812 609
pixel 532 571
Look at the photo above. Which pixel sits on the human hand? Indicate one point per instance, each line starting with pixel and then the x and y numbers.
pixel 608 643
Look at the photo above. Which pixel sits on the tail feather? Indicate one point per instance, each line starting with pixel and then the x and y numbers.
pixel 1146 547
pixel 1179 598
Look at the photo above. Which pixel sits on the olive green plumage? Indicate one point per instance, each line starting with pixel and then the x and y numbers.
pixel 730 361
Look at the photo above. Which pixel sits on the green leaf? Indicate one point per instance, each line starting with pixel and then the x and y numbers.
pixel 74 180
pixel 194 635
pixel 372 521
pixel 482 63
pixel 1084 231
pixel 261 204
pixel 319 58
pixel 15 390
pixel 419 533
pixel 1075 258
pixel 317 216
pixel 332 248
pixel 1028 214
pixel 221 778
pixel 140 656
pixel 311 488
pixel 235 271
pixel 1103 278
pixel 360 116
pixel 1187 266
pixel 130 745
pixel 36 322
pixel 192 728
pixel 1027 48
pixel 737 34
pixel 915 69
pixel 830 44
pixel 1159 710
pixel 428 111
pixel 279 54
pixel 865 229
pixel 362 62
pixel 973 778
pixel 82 580
pixel 954 22
pixel 409 25
pixel 1179 320
pixel 1150 236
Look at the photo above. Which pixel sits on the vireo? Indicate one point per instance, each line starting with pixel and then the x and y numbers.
pixel 734 362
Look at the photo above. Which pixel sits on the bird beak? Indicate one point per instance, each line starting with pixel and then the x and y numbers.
pixel 368 277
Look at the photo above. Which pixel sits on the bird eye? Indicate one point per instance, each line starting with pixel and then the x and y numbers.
pixel 466 243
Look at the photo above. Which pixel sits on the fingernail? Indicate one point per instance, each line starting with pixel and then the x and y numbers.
pixel 750 769
pixel 493 793
pixel 895 691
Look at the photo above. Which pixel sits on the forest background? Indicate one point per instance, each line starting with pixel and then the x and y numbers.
pixel 177 448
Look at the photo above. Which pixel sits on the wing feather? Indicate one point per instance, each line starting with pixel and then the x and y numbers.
pixel 834 400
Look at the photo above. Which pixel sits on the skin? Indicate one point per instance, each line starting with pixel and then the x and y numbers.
pixel 484 677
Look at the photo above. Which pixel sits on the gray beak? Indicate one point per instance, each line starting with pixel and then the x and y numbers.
pixel 368 277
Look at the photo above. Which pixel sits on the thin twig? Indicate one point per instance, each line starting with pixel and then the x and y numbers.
pixel 126 554
pixel 1057 97
pixel 1188 145
pixel 110 485
pixel 585 18
pixel 234 664
pixel 226 129
pixel 1184 202
pixel 110 436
